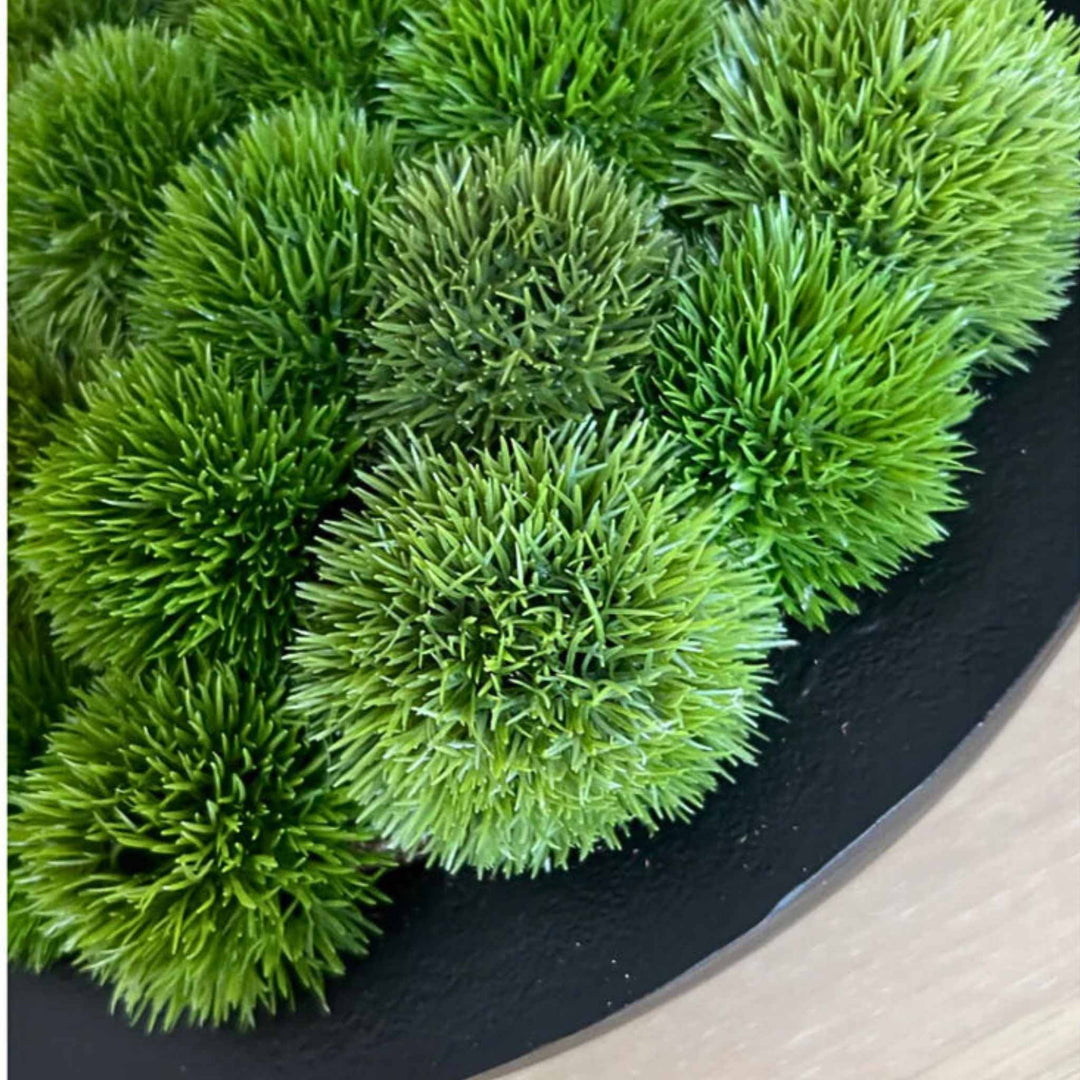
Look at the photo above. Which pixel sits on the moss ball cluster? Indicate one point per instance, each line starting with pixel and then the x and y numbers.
pixel 422 416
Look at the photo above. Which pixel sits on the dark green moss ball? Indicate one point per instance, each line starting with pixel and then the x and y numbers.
pixel 180 839
pixel 516 654
pixel 172 515
pixel 521 284
pixel 92 135
pixel 942 134
pixel 619 75
pixel 271 50
pixel 264 248
pixel 814 406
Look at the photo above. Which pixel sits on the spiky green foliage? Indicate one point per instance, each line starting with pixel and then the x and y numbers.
pixel 516 654
pixel 265 247
pixel 35 27
pixel 180 839
pixel 40 685
pixel 271 49
pixel 616 72
pixel 92 134
pixel 814 405
pixel 173 514
pixel 40 382
pixel 27 944
pixel 943 134
pixel 520 285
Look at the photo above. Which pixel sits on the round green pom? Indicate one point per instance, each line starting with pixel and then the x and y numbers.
pixel 93 134
pixel 271 49
pixel 942 134
pixel 172 515
pixel 35 27
pixel 618 74
pixel 179 837
pixel 264 248
pixel 520 285
pixel 814 405
pixel 518 653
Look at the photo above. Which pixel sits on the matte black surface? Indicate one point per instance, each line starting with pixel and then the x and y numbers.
pixel 470 974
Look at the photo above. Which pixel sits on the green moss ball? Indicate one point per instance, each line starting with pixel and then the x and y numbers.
pixel 813 405
pixel 35 27
pixel 517 654
pixel 271 49
pixel 93 134
pixel 180 839
pixel 617 74
pixel 172 515
pixel 521 284
pixel 942 134
pixel 264 248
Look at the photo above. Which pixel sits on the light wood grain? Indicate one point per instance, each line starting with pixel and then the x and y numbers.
pixel 954 954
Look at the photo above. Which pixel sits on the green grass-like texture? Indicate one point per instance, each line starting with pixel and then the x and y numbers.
pixel 518 653
pixel 264 248
pixel 171 516
pixel 92 134
pixel 180 840
pixel 520 285
pixel 942 133
pixel 815 407
pixel 394 265
pixel 40 685
pixel 271 49
pixel 40 383
pixel 618 73
pixel 36 27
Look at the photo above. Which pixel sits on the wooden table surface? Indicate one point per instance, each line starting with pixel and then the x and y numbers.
pixel 945 946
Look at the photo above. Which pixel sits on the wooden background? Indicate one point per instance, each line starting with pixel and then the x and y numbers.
pixel 945 946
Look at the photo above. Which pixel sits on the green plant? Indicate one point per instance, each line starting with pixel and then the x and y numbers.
pixel 40 685
pixel 942 134
pixel 264 248
pixel 815 407
pixel 180 839
pixel 617 73
pixel 36 27
pixel 271 49
pixel 520 284
pixel 93 133
pixel 516 654
pixel 172 515
pixel 40 383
